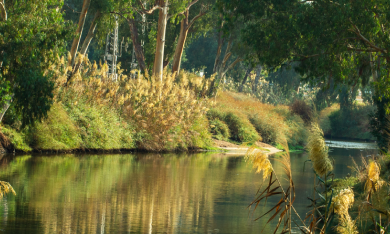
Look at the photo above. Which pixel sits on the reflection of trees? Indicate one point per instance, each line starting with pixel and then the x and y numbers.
pixel 116 193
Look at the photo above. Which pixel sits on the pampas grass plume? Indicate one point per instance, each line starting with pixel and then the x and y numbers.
pixel 318 151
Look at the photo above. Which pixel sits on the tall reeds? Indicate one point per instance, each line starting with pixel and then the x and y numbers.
pixel 166 115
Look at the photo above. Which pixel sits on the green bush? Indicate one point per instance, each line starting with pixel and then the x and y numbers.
pixel 271 134
pixel 56 132
pixel 219 129
pixel 18 139
pixel 100 127
pixel 240 128
pixel 353 123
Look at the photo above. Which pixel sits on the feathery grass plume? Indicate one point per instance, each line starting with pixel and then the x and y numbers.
pixel 260 161
pixel 341 203
pixel 346 225
pixel 5 188
pixel 318 151
pixel 373 181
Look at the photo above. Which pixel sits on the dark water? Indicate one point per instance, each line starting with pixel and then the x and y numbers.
pixel 144 193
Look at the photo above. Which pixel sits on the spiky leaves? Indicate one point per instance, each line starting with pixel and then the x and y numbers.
pixel 318 151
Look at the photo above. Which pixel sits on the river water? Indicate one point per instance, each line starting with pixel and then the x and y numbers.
pixel 148 193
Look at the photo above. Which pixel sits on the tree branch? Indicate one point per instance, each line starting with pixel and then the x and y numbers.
pixel 151 10
pixel 231 65
pixel 3 11
pixel 197 17
pixel 357 32
pixel 187 8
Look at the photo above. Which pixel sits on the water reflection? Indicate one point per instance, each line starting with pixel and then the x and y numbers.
pixel 144 193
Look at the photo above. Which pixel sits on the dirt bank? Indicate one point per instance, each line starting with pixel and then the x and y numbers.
pixel 237 149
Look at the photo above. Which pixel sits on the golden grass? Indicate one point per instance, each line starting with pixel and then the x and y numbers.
pixel 165 114
pixel 275 124
pixel 260 161
pixel 373 181
pixel 318 151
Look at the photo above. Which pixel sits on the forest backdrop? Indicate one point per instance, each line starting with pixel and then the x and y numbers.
pixel 314 58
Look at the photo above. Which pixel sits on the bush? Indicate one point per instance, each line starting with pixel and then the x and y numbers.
pixel 56 132
pixel 302 109
pixel 270 133
pixel 219 129
pixel 352 123
pixel 18 139
pixel 240 128
pixel 272 124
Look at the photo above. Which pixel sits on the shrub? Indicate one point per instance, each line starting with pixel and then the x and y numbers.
pixel 18 139
pixel 302 109
pixel 219 129
pixel 352 123
pixel 56 132
pixel 270 133
pixel 240 128
pixel 273 124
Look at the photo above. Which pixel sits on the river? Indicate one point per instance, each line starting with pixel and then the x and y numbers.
pixel 148 193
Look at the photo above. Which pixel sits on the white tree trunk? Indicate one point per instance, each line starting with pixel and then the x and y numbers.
pixel 159 56
pixel 76 40
pixel 5 107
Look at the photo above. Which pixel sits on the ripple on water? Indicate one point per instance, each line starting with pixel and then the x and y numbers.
pixel 350 145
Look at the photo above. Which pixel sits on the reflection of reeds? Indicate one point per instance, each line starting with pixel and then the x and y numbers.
pixel 318 151
pixel 5 188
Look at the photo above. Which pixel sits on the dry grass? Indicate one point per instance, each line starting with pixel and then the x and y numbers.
pixel 165 115
pixel 260 161
pixel 274 124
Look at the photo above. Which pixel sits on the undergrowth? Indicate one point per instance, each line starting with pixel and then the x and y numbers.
pixel 249 120
pixel 352 123
pixel 94 111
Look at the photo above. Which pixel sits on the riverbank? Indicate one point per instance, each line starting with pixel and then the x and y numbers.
pixel 96 115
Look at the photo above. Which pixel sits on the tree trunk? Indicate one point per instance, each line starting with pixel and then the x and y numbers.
pixel 139 53
pixel 87 41
pixel 5 107
pixel 257 79
pixel 248 71
pixel 91 34
pixel 159 56
pixel 76 40
pixel 3 11
pixel 180 44
pixel 219 49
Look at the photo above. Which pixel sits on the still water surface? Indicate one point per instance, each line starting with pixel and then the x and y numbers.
pixel 145 193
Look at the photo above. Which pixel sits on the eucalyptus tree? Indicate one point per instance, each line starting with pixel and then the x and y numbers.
pixel 32 35
pixel 185 24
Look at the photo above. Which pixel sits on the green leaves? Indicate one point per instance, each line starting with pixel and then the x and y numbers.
pixel 32 37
